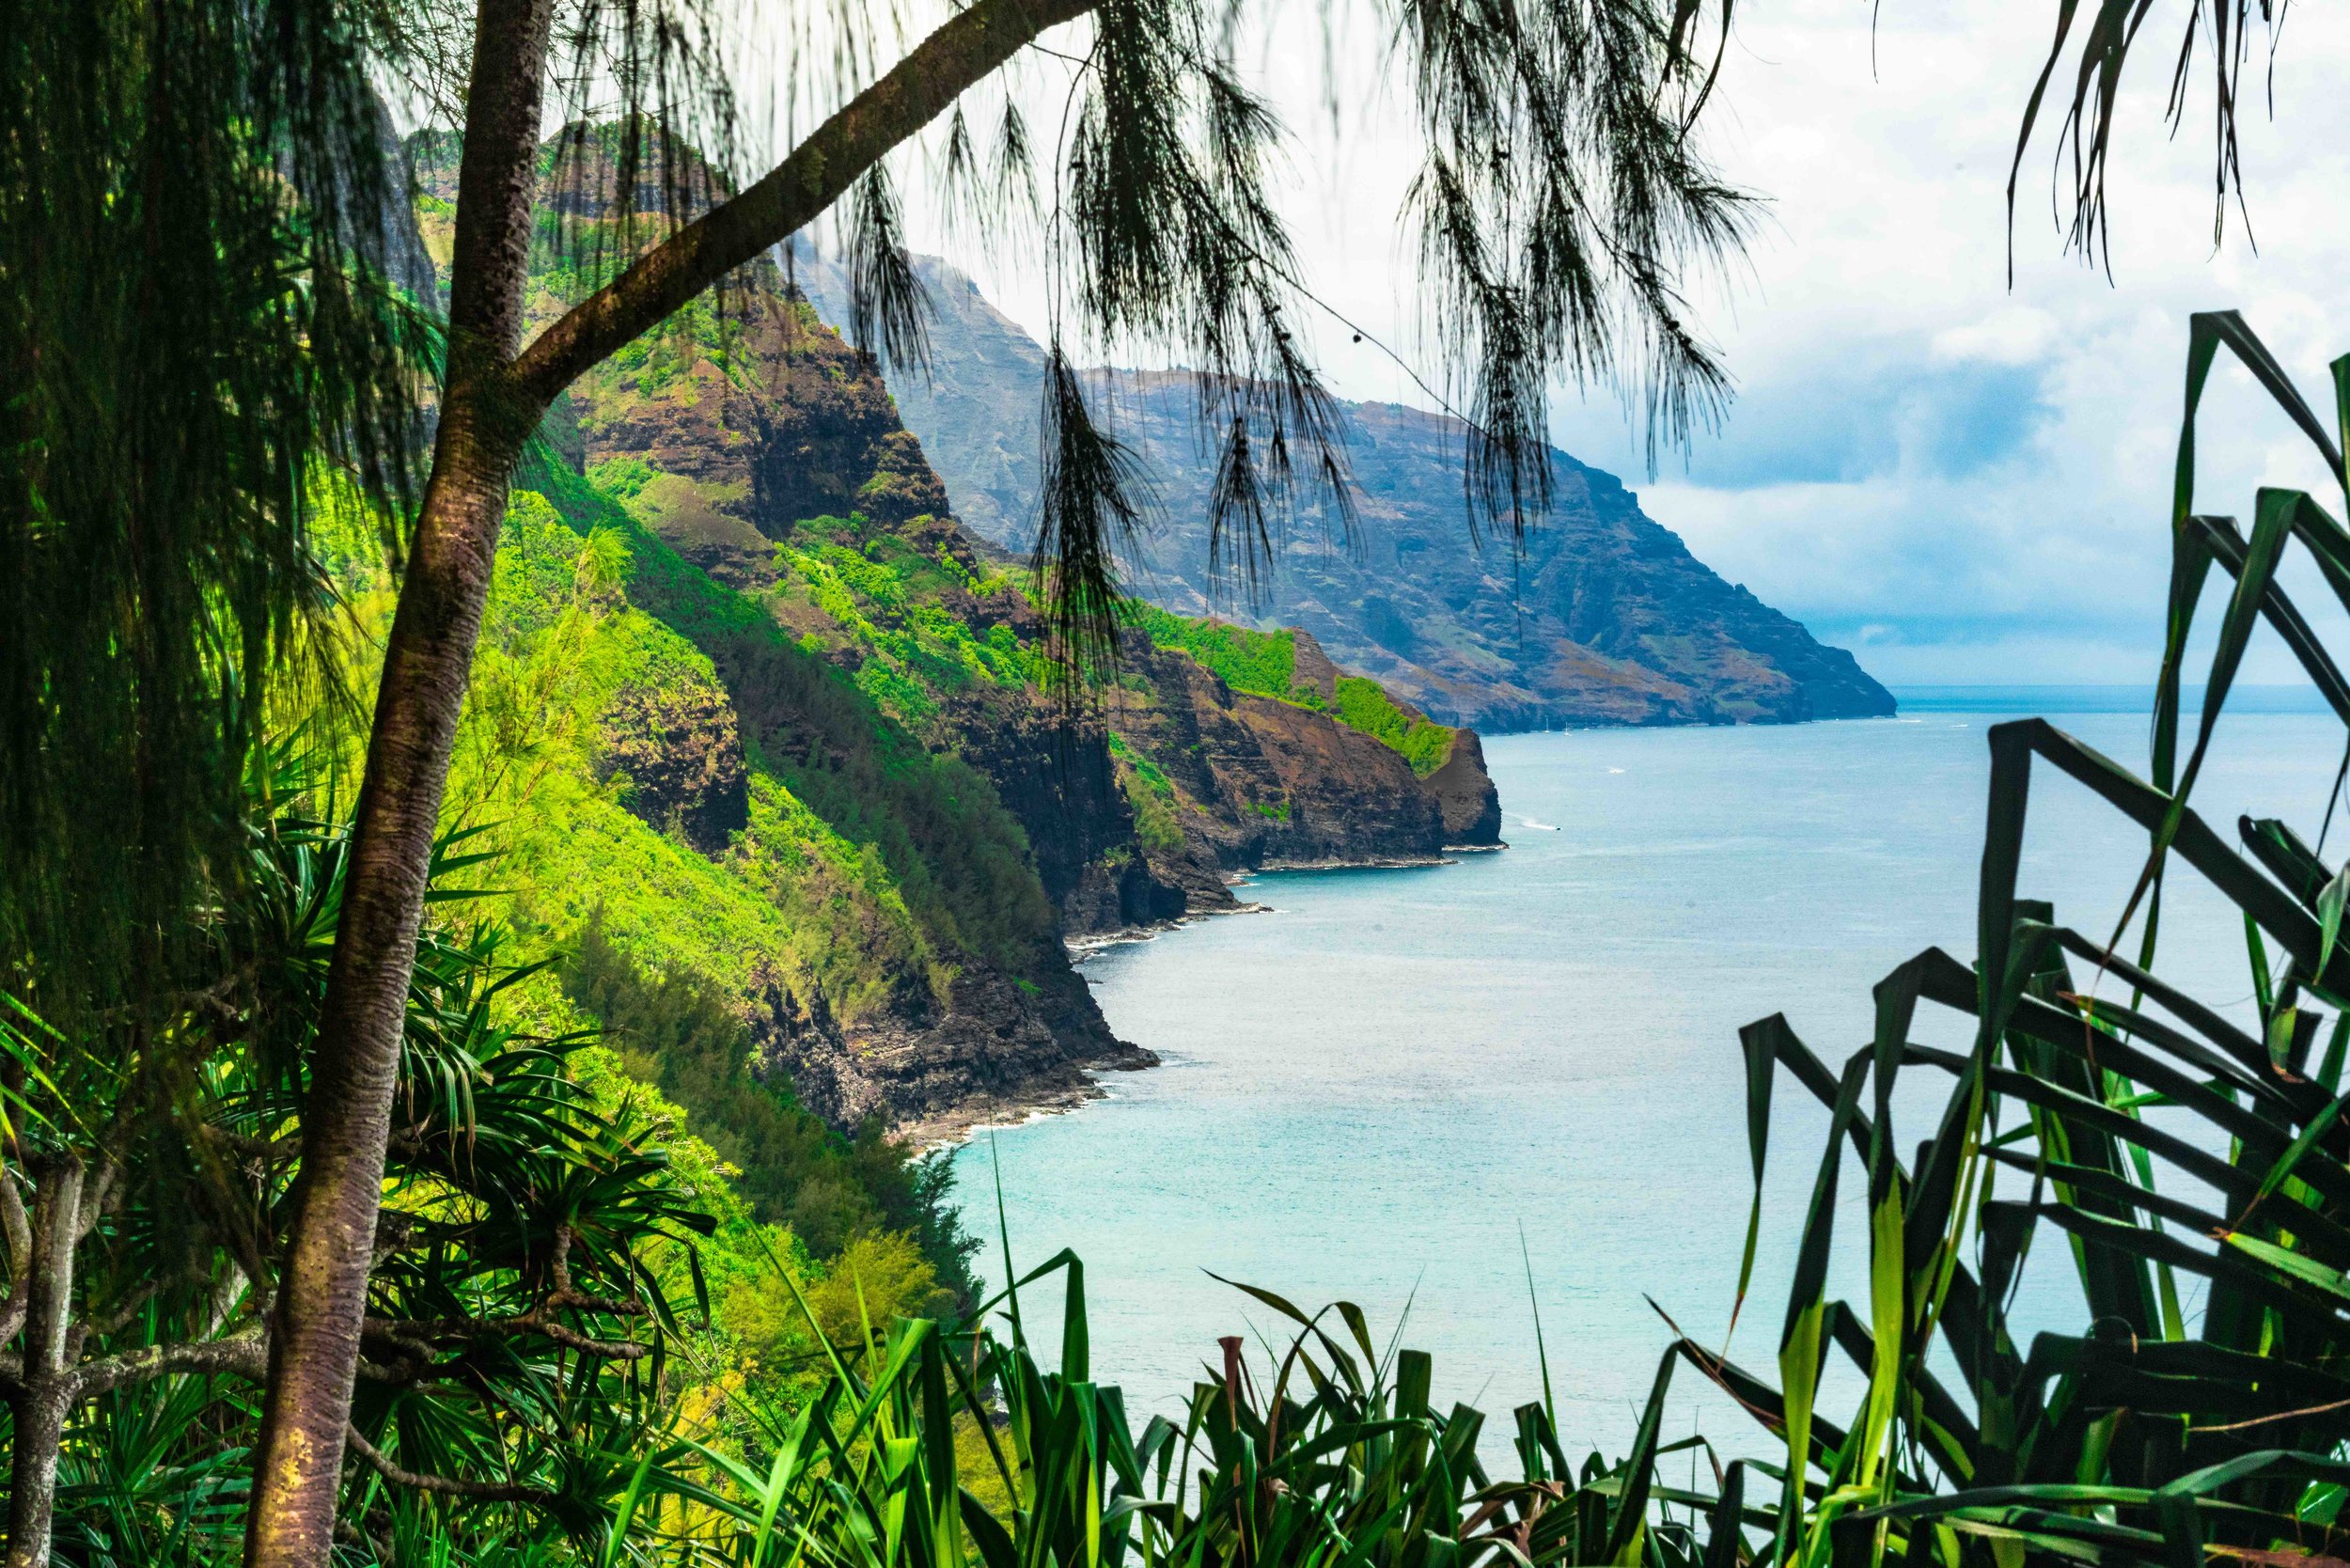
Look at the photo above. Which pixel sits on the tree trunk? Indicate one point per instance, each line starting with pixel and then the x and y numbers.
pixel 32 1475
pixel 321 1297
pixel 493 402
pixel 43 1396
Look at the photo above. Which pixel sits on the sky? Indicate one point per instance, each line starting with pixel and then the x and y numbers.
pixel 1963 481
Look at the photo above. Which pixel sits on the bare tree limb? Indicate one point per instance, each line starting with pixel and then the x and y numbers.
pixel 245 1356
pixel 447 1486
pixel 15 1224
pixel 967 50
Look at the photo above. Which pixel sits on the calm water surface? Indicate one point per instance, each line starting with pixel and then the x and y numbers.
pixel 1374 1089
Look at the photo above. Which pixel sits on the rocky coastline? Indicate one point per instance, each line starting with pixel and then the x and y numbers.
pixel 871 666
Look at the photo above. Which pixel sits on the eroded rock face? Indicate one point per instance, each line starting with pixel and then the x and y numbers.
pixel 1258 782
pixel 1606 618
pixel 829 443
pixel 1465 796
pixel 682 757
pixel 996 1048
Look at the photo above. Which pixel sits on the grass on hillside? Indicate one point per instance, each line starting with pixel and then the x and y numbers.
pixel 1364 704
pixel 1264 663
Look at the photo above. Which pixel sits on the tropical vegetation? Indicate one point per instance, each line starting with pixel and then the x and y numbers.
pixel 591 1336
pixel 336 1226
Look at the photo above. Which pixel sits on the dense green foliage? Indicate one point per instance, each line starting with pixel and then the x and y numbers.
pixel 679 1033
pixel 878 860
pixel 664 940
pixel 1363 704
pixel 534 1247
pixel 1264 663
pixel 1329 1452
pixel 201 331
pixel 1150 794
pixel 565 1268
pixel 927 826
pixel 884 591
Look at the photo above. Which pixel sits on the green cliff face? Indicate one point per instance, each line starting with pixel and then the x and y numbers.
pixel 753 710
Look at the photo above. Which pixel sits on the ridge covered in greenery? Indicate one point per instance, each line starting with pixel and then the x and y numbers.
pixel 727 770
pixel 1264 663
pixel 599 768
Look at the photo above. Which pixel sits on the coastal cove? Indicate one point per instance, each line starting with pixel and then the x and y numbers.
pixel 1373 1090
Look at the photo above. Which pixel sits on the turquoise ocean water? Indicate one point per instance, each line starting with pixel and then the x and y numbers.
pixel 1375 1088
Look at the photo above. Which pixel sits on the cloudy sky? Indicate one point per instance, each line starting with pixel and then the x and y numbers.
pixel 1963 481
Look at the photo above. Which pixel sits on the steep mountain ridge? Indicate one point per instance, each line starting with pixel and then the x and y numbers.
pixel 807 751
pixel 1605 617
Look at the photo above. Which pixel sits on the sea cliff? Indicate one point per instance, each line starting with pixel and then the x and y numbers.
pixel 1597 615
pixel 824 764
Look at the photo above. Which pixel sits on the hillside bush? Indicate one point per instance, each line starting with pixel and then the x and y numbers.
pixel 1363 704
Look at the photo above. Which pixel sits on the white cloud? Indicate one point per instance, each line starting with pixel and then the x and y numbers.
pixel 2017 335
pixel 2031 544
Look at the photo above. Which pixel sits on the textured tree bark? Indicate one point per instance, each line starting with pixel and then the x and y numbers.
pixel 44 1391
pixel 39 1430
pixel 493 402
pixel 321 1297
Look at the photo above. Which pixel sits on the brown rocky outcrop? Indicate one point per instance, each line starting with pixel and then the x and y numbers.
pixel 1465 796
pixel 1260 783
pixel 994 1050
pixel 682 760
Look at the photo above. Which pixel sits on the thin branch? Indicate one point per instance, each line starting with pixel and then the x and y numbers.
pixel 119 1319
pixel 15 1223
pixel 412 1336
pixel 2280 1416
pixel 967 50
pixel 447 1486
pixel 245 1356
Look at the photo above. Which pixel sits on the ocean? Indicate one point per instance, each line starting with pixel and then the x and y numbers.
pixel 1459 1095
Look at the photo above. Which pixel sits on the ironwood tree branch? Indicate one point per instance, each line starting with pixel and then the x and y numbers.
pixel 967 50
pixel 245 1356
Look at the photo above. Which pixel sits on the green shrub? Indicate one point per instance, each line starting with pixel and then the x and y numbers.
pixel 1363 704
pixel 1150 794
pixel 1263 663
